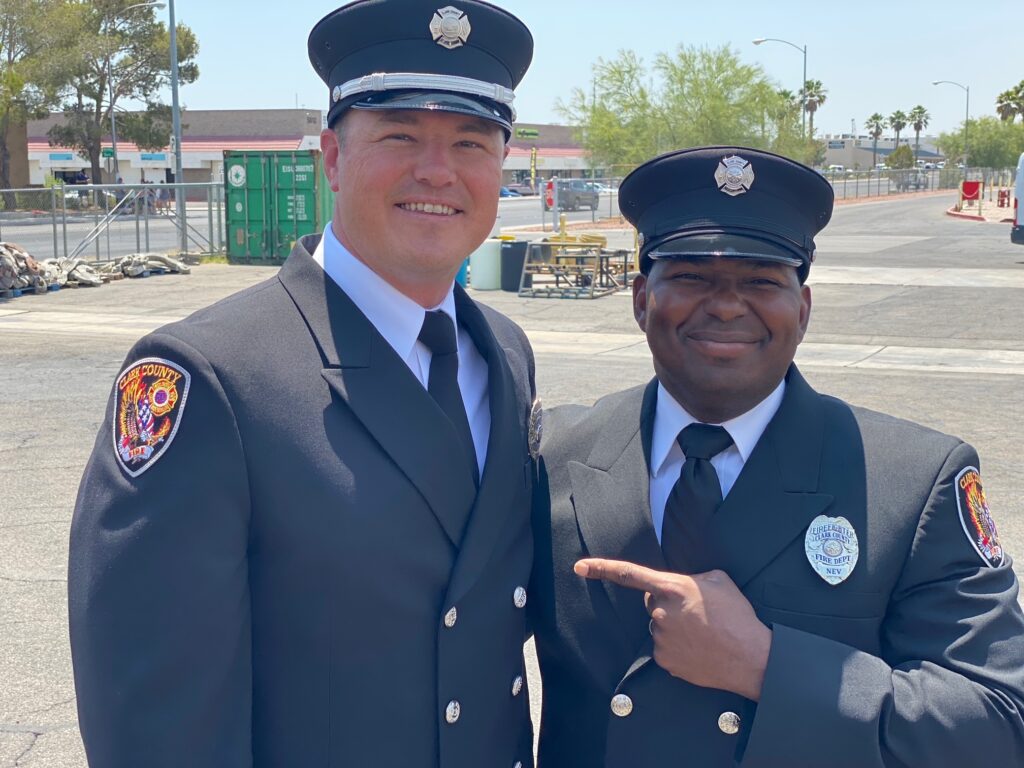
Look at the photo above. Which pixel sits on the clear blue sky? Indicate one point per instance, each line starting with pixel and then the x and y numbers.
pixel 870 56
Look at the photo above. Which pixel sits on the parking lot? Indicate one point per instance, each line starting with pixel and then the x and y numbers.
pixel 915 313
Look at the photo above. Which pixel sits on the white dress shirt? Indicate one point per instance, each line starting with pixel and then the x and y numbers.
pixel 399 319
pixel 670 418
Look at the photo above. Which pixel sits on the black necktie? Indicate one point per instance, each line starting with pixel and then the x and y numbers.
pixel 694 499
pixel 438 334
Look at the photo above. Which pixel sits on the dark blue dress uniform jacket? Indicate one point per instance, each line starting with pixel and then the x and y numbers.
pixel 916 659
pixel 272 590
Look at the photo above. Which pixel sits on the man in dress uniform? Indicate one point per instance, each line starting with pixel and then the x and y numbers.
pixel 304 533
pixel 732 569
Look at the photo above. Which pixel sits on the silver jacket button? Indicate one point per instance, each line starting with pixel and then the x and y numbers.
pixel 452 712
pixel 451 617
pixel 729 722
pixel 622 705
pixel 519 597
pixel 517 685
pixel 518 764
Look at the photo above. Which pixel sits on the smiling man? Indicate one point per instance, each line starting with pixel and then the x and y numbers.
pixel 303 535
pixel 732 569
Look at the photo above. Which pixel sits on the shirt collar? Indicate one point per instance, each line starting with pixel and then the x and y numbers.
pixel 670 418
pixel 395 316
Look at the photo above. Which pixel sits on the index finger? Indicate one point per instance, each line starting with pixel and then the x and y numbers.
pixel 621 572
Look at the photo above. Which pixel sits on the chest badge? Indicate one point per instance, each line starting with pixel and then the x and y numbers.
pixel 450 27
pixel 832 548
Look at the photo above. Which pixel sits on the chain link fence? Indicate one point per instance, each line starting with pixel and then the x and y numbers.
pixel 105 222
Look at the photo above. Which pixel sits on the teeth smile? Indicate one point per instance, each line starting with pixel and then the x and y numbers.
pixel 442 210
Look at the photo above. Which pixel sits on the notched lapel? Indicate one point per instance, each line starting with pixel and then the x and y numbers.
pixel 506 454
pixel 376 385
pixel 775 497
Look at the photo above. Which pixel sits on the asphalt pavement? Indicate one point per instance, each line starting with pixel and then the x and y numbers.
pixel 915 313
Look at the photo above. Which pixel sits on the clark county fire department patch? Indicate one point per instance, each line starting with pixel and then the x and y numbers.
pixel 150 396
pixel 975 517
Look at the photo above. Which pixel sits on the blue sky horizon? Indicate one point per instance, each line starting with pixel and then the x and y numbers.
pixel 868 60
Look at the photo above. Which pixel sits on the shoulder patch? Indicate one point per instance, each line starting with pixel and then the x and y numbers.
pixel 150 399
pixel 975 517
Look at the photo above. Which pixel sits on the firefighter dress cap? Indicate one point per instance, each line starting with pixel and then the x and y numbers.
pixel 466 58
pixel 732 202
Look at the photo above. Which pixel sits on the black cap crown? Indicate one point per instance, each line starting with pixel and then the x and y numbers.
pixel 726 201
pixel 467 57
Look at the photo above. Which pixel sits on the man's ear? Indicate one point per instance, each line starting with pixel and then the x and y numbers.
pixel 805 309
pixel 332 151
pixel 640 301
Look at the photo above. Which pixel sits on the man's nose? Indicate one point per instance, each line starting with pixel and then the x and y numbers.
pixel 725 302
pixel 435 165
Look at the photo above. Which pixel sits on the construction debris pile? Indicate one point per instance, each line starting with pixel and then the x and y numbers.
pixel 20 272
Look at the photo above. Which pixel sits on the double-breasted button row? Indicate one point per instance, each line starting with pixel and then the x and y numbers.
pixel 519 597
pixel 452 712
pixel 622 705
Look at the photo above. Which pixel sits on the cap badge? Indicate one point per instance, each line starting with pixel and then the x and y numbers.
pixel 450 27
pixel 734 176
pixel 832 548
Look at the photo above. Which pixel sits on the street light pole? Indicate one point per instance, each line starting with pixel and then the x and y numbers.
pixel 179 193
pixel 803 83
pixel 113 121
pixel 967 113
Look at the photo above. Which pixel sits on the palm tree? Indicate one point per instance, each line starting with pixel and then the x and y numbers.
pixel 898 121
pixel 1010 103
pixel 918 118
pixel 813 95
pixel 875 125
pixel 1005 107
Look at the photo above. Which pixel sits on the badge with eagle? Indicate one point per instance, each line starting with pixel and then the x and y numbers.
pixel 150 398
pixel 975 517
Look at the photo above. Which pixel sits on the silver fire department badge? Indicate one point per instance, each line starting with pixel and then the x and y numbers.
pixel 450 27
pixel 832 548
pixel 536 428
pixel 734 175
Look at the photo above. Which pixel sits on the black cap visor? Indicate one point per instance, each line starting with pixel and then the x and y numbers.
pixel 437 101
pixel 725 246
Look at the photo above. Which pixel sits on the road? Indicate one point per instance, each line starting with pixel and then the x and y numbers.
pixel 915 313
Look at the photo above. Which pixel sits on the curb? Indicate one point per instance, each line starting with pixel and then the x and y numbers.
pixel 960 215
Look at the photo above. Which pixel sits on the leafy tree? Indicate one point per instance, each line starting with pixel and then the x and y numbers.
pixel 875 125
pixel 994 143
pixel 1010 103
pixel 898 121
pixel 695 96
pixel 901 157
pixel 814 95
pixel 30 67
pixel 918 119
pixel 121 53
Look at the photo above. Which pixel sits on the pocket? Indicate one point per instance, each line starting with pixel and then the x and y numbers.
pixel 826 601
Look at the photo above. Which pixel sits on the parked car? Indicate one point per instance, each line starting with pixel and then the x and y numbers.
pixel 574 194
pixel 1017 230
pixel 522 187
pixel 508 192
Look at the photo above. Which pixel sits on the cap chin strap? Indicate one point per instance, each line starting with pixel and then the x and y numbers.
pixel 395 81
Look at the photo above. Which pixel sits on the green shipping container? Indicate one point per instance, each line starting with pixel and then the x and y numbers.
pixel 273 199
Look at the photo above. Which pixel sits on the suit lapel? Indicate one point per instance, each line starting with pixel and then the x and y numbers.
pixel 611 496
pixel 774 498
pixel 506 454
pixel 376 385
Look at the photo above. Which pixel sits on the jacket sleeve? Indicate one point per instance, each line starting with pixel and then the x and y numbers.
pixel 158 586
pixel 948 690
